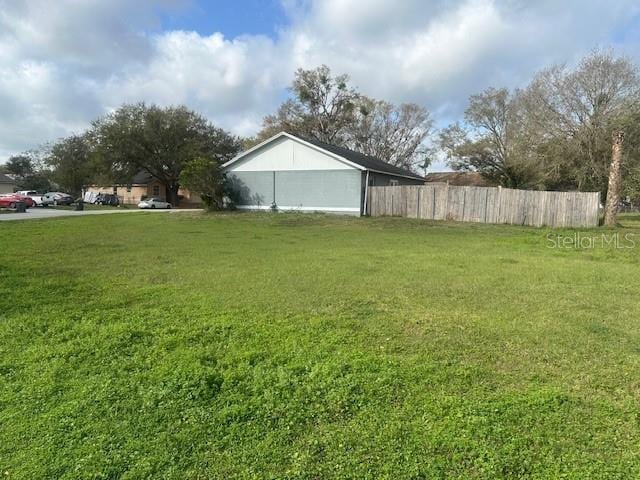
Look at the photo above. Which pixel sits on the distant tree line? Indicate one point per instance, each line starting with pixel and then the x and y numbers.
pixel 138 137
pixel 179 147
pixel 556 133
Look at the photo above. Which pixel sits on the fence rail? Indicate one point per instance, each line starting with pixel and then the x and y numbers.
pixel 486 205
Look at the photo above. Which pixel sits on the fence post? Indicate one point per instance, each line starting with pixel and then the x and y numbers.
pixel 486 205
pixel 499 204
pixel 445 212
pixel 433 203
pixel 392 202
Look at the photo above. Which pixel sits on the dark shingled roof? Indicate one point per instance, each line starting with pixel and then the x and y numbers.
pixel 5 179
pixel 141 178
pixel 370 163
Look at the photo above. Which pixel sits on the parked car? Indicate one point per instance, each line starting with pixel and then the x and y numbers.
pixel 153 203
pixel 33 195
pixel 10 200
pixel 625 206
pixel 56 198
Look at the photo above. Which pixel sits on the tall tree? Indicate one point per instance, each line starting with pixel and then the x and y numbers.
pixel 573 114
pixel 556 133
pixel 29 170
pixel 70 163
pixel 490 141
pixel 160 141
pixel 324 107
pixel 20 165
pixel 394 134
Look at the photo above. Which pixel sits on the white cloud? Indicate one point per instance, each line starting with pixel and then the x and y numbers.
pixel 437 53
pixel 63 64
pixel 229 81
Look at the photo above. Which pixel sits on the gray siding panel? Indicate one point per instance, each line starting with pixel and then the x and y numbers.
pixel 324 190
pixel 318 188
pixel 252 188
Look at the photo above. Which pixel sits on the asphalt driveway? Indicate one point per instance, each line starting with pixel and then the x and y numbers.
pixel 39 213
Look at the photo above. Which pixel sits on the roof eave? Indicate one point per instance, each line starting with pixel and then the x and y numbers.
pixel 396 174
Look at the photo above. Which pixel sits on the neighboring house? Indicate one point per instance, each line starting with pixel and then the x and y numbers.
pixel 290 173
pixel 143 185
pixel 7 184
pixel 460 179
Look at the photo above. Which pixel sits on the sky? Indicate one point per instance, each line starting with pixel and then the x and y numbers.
pixel 67 62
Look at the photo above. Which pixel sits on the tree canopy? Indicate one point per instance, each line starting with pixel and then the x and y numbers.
pixel 160 141
pixel 572 114
pixel 28 169
pixel 20 165
pixel 204 177
pixel 492 141
pixel 555 133
pixel 70 162
pixel 326 108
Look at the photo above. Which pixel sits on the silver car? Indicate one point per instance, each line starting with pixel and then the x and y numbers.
pixel 56 198
pixel 153 203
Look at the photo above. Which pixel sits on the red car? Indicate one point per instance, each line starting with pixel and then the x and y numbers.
pixel 9 201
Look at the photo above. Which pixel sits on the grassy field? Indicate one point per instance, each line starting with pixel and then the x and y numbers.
pixel 195 346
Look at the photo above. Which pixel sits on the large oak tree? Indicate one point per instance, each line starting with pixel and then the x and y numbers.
pixel 160 141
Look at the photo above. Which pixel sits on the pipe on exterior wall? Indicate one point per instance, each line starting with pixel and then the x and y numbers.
pixel 366 193
pixel 274 205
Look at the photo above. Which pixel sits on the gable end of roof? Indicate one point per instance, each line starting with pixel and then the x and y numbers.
pixel 348 156
pixel 295 139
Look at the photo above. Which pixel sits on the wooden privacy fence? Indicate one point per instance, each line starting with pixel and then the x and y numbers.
pixel 486 205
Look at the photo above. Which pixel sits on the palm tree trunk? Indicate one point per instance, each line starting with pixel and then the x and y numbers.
pixel 615 181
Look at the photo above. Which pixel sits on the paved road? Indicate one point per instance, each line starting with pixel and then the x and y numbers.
pixel 39 213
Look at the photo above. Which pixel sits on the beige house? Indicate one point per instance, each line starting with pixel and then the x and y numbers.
pixel 7 185
pixel 142 186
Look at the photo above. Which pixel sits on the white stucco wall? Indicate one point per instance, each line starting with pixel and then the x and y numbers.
pixel 287 154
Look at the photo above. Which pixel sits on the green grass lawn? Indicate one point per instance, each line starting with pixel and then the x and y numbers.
pixel 196 346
